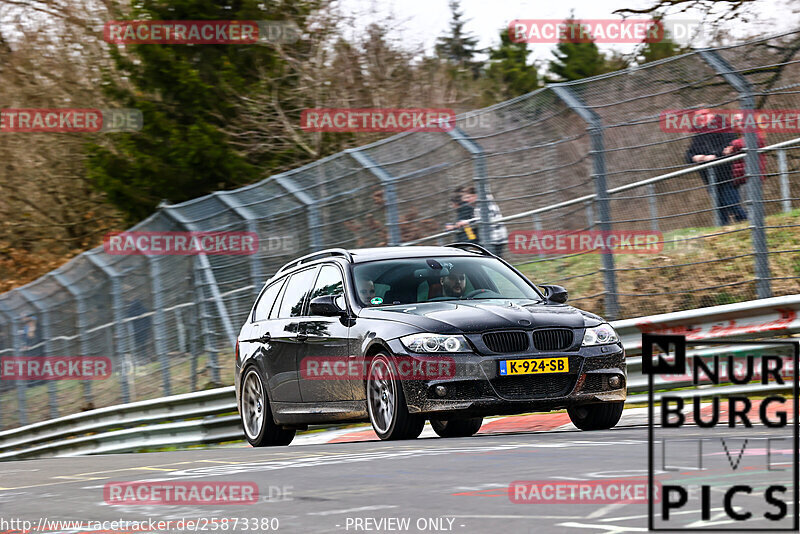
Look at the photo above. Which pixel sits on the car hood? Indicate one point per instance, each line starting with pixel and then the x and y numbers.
pixel 467 316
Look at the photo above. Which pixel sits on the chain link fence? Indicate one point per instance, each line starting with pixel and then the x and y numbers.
pixel 587 155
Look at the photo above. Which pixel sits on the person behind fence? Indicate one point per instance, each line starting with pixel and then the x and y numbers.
pixel 469 214
pixel 737 145
pixel 142 327
pixel 32 344
pixel 466 229
pixel 708 144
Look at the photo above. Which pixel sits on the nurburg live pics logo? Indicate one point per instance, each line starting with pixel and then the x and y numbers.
pixel 735 461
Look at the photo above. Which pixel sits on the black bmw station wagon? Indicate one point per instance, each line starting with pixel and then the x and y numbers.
pixel 401 335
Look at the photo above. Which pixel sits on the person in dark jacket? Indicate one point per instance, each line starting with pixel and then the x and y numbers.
pixel 708 144
pixel 467 229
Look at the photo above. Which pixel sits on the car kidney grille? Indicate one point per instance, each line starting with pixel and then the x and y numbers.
pixel 552 339
pixel 506 341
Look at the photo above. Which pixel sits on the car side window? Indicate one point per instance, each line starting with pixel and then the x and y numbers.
pixel 297 289
pixel 274 313
pixel 329 282
pixel 266 301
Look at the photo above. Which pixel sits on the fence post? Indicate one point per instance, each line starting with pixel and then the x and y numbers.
pixel 537 225
pixel 783 169
pixel 202 279
pixel 713 193
pixel 250 218
pixel 159 333
pixel 43 323
pixel 390 198
pixel 314 223
pixel 590 214
pixel 82 326
pixel 652 199
pixel 118 314
pixel 22 414
pixel 201 261
pixel 480 177
pixel 752 167
pixel 595 126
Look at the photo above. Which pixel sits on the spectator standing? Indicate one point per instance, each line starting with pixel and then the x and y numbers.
pixel 709 143
pixel 468 214
pixel 737 145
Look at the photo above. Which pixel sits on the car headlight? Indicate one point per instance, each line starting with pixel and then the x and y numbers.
pixel 600 335
pixel 435 343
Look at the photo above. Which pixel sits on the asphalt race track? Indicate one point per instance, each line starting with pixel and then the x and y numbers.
pixel 436 485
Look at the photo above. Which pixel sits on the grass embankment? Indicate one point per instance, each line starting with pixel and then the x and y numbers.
pixel 697 267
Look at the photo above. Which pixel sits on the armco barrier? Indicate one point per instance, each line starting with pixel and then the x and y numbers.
pixel 209 416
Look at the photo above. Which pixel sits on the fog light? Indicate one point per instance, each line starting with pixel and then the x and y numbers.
pixel 615 381
pixel 441 391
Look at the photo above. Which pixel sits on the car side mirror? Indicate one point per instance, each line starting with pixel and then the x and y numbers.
pixel 325 306
pixel 555 294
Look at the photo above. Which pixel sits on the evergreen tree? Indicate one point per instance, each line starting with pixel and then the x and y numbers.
pixel 185 95
pixel 459 47
pixel 509 72
pixel 576 59
pixel 663 48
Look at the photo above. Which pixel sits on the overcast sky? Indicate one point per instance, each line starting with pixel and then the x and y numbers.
pixel 422 21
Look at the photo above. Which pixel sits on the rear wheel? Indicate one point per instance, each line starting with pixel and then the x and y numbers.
pixel 386 403
pixel 259 427
pixel 456 428
pixel 596 416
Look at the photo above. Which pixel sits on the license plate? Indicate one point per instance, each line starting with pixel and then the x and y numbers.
pixel 534 367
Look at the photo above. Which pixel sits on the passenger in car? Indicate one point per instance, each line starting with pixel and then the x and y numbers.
pixel 366 290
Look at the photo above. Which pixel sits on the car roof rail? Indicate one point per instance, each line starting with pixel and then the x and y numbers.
pixel 331 252
pixel 470 247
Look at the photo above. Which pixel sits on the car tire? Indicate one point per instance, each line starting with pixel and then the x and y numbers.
pixel 386 403
pixel 596 416
pixel 457 428
pixel 259 427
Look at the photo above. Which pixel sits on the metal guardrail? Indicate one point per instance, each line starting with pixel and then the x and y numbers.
pixel 205 416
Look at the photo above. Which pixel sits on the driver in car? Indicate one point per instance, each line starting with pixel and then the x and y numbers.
pixel 454 284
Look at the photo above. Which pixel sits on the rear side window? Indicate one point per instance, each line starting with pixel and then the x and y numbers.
pixel 266 301
pixel 329 282
pixel 297 289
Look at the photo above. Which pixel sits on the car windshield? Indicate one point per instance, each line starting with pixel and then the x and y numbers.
pixel 415 280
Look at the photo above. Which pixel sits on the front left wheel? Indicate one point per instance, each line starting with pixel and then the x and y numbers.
pixel 596 416
pixel 457 428
pixel 259 427
pixel 386 403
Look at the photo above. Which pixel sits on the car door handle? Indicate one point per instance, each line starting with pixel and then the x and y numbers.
pixel 302 336
pixel 266 338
